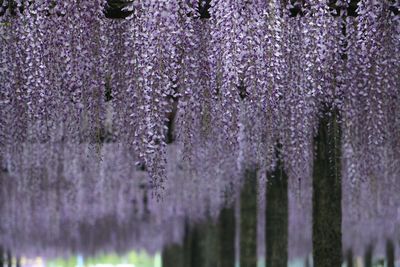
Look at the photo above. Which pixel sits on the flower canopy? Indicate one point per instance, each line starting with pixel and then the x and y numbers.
pixel 229 81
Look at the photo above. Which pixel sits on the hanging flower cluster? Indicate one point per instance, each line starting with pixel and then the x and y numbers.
pixel 64 188
pixel 229 84
pixel 371 91
pixel 65 201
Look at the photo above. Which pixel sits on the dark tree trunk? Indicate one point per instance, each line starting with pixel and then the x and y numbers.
pixel 204 245
pixel 1 257
pixel 187 246
pixel 211 244
pixel 248 221
pixel 197 257
pixel 349 257
pixel 172 256
pixel 368 256
pixel 390 253
pixel 327 213
pixel 277 218
pixel 226 230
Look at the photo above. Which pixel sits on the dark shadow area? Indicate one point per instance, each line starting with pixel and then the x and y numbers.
pixel 248 220
pixel 327 210
pixel 114 9
pixel 173 256
pixel 276 230
pixel 226 232
pixel 390 253
pixel 368 256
